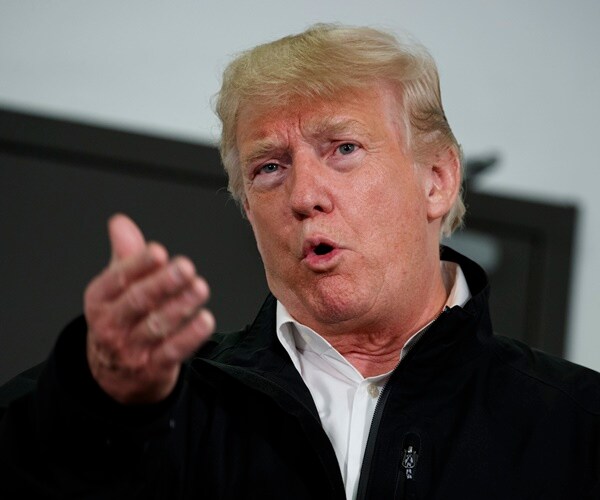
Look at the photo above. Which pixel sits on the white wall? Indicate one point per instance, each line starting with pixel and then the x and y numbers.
pixel 519 78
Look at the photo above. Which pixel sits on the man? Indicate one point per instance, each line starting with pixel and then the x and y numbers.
pixel 370 372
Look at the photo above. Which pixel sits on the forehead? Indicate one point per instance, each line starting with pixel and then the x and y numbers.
pixel 355 111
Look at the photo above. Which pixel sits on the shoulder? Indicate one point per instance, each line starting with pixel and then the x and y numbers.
pixel 220 344
pixel 19 386
pixel 547 379
pixel 257 336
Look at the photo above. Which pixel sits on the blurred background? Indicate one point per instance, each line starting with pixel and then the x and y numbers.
pixel 122 92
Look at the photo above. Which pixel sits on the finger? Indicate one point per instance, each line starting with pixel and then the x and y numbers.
pixel 151 292
pixel 174 313
pixel 126 238
pixel 175 349
pixel 118 276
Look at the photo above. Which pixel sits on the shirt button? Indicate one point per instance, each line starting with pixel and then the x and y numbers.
pixel 373 391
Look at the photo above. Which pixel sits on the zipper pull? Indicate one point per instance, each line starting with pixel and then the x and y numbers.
pixel 406 482
pixel 409 462
pixel 410 456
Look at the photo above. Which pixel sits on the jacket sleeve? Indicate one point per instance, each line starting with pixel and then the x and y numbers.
pixel 65 437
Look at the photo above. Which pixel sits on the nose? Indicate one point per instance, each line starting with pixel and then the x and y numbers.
pixel 309 188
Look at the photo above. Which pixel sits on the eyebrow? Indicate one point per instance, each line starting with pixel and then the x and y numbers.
pixel 336 126
pixel 325 126
pixel 260 149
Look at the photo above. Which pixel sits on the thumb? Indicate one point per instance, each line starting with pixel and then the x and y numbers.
pixel 126 238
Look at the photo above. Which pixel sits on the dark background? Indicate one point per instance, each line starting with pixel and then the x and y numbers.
pixel 60 182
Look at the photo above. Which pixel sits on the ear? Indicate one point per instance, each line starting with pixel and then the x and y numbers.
pixel 443 179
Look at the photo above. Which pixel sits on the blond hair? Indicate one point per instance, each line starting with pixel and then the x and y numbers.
pixel 319 63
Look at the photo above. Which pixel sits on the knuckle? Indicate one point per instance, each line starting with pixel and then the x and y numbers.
pixel 136 299
pixel 120 278
pixel 156 326
pixel 189 301
pixel 196 294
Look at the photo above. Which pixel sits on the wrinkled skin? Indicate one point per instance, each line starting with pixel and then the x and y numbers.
pixel 346 223
pixel 145 316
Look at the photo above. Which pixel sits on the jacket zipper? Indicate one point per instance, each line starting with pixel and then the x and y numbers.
pixel 374 428
pixel 370 447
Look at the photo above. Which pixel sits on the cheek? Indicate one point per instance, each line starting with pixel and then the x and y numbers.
pixel 397 208
pixel 270 234
pixel 257 227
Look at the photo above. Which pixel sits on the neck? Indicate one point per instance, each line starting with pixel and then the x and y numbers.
pixel 374 347
pixel 375 352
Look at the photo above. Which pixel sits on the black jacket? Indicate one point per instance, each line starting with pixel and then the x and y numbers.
pixel 467 414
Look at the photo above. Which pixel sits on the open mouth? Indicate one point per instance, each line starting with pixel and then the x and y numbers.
pixel 319 251
pixel 322 249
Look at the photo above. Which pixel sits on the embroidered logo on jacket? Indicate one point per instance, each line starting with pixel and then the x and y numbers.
pixel 409 461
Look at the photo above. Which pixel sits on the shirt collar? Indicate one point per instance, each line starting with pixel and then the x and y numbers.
pixel 296 337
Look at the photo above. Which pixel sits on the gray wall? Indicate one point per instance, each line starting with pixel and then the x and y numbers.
pixel 60 182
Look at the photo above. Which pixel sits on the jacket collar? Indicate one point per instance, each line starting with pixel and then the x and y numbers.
pixel 455 337
pixel 255 357
pixel 255 354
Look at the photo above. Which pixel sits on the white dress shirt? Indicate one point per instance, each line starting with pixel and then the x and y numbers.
pixel 344 398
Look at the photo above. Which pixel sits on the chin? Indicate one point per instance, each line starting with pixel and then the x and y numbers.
pixel 331 304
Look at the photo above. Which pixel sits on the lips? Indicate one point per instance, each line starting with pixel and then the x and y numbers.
pixel 317 245
pixel 320 253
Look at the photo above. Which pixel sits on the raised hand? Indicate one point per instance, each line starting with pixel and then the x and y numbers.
pixel 145 316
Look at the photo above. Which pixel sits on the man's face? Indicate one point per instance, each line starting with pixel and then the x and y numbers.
pixel 338 208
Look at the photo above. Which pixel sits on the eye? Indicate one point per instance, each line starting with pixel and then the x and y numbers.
pixel 268 168
pixel 346 148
